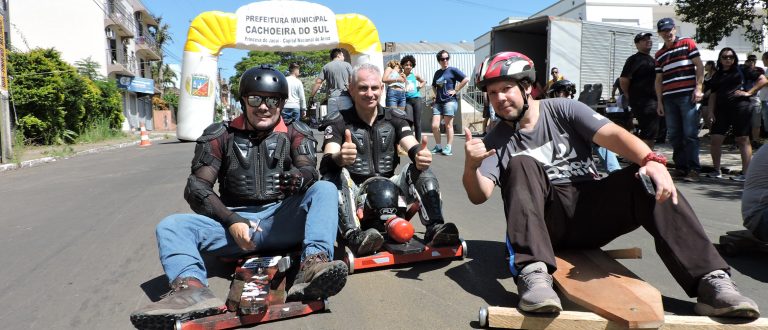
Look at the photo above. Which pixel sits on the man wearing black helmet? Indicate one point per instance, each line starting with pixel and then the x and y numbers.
pixel 361 143
pixel 539 155
pixel 269 199
pixel 638 79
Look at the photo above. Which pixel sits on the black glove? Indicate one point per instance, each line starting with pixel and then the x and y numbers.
pixel 291 182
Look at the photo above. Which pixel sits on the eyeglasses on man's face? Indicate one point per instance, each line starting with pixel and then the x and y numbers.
pixel 444 59
pixel 256 100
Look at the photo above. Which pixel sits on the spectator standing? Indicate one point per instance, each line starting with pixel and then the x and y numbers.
pixel 679 79
pixel 637 80
pixel 414 102
pixel 556 76
pixel 395 79
pixel 296 105
pixel 730 108
pixel 709 71
pixel 755 105
pixel 446 84
pixel 335 74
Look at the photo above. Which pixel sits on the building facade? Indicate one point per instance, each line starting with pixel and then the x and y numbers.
pixel 115 34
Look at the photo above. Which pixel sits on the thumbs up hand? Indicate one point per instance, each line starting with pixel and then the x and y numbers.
pixel 424 156
pixel 348 152
pixel 475 151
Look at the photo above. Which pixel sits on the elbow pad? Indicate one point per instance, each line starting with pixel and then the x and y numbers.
pixel 196 194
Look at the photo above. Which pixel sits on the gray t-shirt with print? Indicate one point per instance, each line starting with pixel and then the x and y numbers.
pixel 561 141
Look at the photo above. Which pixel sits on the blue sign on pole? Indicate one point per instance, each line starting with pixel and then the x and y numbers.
pixel 136 84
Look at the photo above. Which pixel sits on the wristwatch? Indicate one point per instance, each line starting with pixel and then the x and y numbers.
pixel 654 157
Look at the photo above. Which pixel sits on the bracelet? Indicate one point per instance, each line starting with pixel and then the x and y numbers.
pixel 654 157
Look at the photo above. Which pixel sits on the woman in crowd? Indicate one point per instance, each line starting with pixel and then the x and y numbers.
pixel 729 107
pixel 414 103
pixel 394 78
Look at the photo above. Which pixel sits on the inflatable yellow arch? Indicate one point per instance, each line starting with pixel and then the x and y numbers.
pixel 269 26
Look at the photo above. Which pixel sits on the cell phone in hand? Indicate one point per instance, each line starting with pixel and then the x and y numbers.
pixel 648 184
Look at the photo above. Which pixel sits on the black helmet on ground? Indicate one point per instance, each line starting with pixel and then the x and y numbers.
pixel 565 86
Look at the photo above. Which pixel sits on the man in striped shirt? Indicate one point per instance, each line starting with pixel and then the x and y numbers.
pixel 679 76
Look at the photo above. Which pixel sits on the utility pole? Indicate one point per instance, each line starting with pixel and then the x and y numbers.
pixel 6 150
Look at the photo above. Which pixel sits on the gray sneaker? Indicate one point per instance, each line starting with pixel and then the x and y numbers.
pixel 534 287
pixel 189 299
pixel 718 296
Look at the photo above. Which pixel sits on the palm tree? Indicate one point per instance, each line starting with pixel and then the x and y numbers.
pixel 87 67
pixel 162 36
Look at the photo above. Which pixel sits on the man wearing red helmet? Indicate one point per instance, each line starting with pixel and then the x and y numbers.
pixel 540 158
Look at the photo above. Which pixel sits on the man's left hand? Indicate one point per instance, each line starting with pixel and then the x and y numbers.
pixel 290 182
pixel 665 187
pixel 424 156
pixel 697 95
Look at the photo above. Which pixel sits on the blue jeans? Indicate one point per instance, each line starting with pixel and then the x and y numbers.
pixel 445 109
pixel 395 98
pixel 682 119
pixel 338 103
pixel 291 114
pixel 608 160
pixel 309 219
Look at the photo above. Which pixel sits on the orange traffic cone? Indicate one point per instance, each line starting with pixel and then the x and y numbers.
pixel 144 137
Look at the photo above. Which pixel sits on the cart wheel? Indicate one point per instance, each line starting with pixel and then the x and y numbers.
pixel 463 249
pixel 350 260
pixel 483 317
pixel 326 306
pixel 729 249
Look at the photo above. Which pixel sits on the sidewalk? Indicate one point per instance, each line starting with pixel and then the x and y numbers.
pixel 730 160
pixel 34 156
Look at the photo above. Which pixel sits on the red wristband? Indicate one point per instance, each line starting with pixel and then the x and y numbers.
pixel 654 157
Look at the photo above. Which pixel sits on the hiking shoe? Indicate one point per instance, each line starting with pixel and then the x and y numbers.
pixel 692 176
pixel 363 243
pixel 318 278
pixel 534 287
pixel 717 174
pixel 447 150
pixel 442 234
pixel 718 296
pixel 436 149
pixel 739 178
pixel 188 299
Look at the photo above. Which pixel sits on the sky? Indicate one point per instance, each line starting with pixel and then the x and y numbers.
pixel 395 20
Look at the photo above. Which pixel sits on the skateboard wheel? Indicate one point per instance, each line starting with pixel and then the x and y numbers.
pixel 177 325
pixel 326 306
pixel 463 249
pixel 350 260
pixel 482 318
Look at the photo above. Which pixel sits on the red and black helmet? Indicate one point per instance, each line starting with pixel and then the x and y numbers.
pixel 504 66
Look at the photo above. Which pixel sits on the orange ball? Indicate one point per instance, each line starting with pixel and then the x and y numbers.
pixel 399 229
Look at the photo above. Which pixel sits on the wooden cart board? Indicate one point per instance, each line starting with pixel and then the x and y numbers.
pixel 599 283
pixel 511 318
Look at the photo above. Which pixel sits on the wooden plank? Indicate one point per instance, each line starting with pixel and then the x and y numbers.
pixel 511 318
pixel 602 285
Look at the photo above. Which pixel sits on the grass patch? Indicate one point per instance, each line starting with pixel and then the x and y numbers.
pixel 61 151
pixel 19 147
pixel 99 131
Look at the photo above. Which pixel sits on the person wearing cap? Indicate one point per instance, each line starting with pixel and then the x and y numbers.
pixel 540 157
pixel 269 198
pixel 637 80
pixel 679 80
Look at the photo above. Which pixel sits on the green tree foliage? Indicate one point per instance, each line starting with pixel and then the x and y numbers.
pixel 716 19
pixel 53 102
pixel 311 63
pixel 89 68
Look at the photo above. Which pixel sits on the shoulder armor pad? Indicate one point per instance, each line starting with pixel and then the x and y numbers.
pixel 212 131
pixel 330 118
pixel 396 112
pixel 301 127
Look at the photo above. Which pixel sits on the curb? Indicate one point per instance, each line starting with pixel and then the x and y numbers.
pixel 45 160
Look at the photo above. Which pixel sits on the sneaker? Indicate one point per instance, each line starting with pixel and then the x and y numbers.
pixel 739 178
pixel 436 149
pixel 718 296
pixel 716 174
pixel 447 150
pixel 363 243
pixel 692 176
pixel 318 278
pixel 442 234
pixel 534 287
pixel 188 299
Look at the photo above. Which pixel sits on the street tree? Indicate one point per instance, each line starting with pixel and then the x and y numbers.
pixel 162 37
pixel 87 67
pixel 717 19
pixel 311 63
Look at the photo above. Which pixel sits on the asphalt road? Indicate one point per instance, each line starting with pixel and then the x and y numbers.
pixel 79 252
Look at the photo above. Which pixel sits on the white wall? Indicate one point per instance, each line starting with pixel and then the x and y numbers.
pixel 73 27
pixel 634 16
